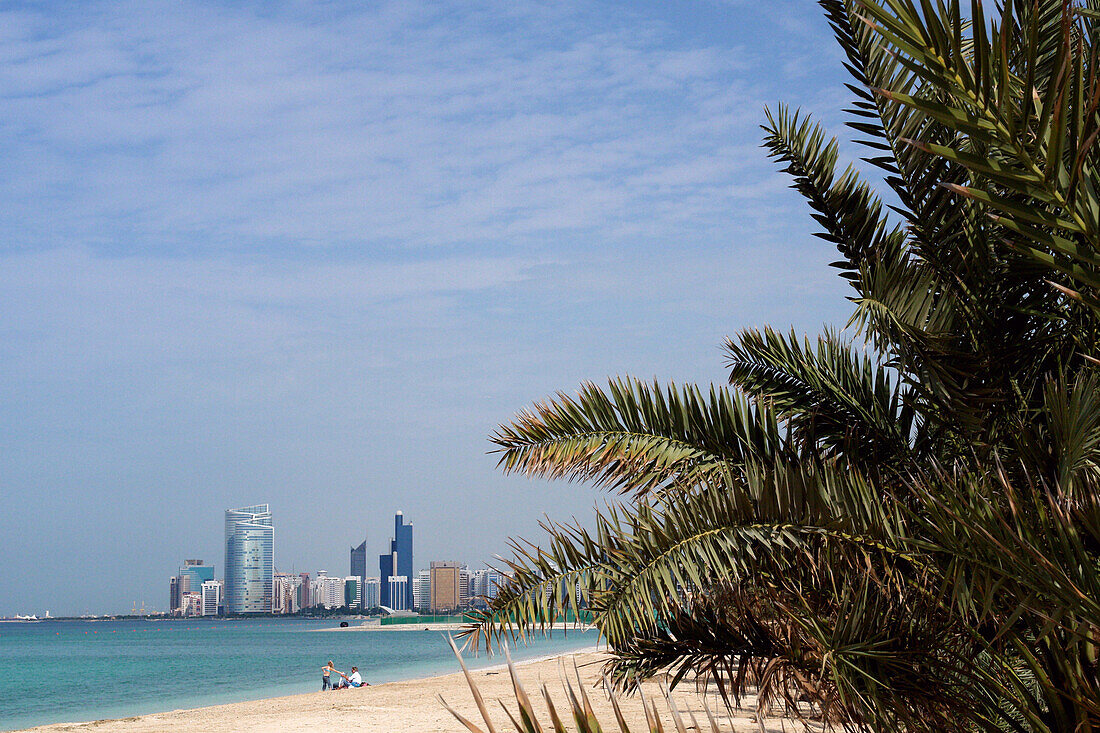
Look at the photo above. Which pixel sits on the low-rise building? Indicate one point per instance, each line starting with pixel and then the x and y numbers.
pixel 445 586
pixel 190 604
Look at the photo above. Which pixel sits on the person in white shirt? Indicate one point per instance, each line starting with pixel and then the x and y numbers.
pixel 353 681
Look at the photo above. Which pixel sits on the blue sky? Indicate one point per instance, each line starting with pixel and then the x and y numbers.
pixel 311 254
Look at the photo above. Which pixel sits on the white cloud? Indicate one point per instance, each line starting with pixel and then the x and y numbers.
pixel 186 125
pixel 280 252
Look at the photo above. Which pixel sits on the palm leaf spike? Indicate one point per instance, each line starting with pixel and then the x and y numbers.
pixel 657 718
pixel 623 728
pixel 589 713
pixel 526 709
pixel 710 716
pixel 677 719
pixel 473 690
pixel 575 704
pixel 515 723
pixel 653 720
pixel 559 727
pixel 461 719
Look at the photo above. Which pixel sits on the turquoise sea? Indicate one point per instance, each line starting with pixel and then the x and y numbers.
pixel 65 671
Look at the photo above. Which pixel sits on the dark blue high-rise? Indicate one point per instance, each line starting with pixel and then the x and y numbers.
pixel 359 567
pixel 397 562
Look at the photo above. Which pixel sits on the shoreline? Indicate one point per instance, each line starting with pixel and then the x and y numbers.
pixel 411 706
pixel 564 631
pixel 129 669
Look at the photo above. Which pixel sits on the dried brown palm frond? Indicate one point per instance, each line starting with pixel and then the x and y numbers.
pixel 580 710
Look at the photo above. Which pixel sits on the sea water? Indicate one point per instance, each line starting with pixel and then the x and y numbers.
pixel 67 671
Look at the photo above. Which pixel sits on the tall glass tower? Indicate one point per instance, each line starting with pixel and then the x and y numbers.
pixel 249 559
pixel 359 563
pixel 398 562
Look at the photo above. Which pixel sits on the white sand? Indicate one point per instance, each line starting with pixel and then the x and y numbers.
pixel 413 706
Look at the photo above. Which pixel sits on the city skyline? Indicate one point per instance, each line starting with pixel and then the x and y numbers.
pixel 202 570
pixel 249 554
pixel 470 208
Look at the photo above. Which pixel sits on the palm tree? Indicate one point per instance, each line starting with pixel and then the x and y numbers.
pixel 900 526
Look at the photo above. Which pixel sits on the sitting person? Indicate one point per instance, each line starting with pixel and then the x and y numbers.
pixel 353 681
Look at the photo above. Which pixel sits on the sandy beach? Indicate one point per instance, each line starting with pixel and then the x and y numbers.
pixel 412 706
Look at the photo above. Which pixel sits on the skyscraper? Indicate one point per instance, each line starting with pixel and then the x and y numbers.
pixel 398 562
pixel 484 586
pixel 249 559
pixel 286 593
pixel 359 562
pixel 193 574
pixel 463 586
pixel 327 591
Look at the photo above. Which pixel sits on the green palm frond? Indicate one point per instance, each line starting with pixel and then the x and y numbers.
pixel 1022 97
pixel 1024 557
pixel 834 400
pixel 778 520
pixel 637 437
pixel 901 538
pixel 847 209
pixel 636 569
pixel 1073 443
pixel 546 584
pixel 915 175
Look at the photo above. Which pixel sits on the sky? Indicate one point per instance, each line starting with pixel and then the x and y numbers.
pixel 312 254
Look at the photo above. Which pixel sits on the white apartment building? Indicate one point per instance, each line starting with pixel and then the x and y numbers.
pixel 327 591
pixel 464 586
pixel 399 592
pixel 424 602
pixel 284 597
pixel 190 604
pixel 211 597
pixel 485 584
pixel 371 592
